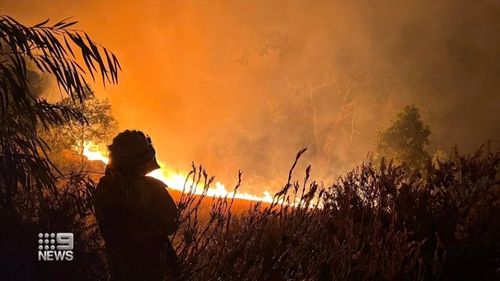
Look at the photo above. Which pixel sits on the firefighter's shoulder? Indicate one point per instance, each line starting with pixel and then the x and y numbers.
pixel 155 182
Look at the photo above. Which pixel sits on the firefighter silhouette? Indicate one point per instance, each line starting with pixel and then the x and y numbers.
pixel 135 212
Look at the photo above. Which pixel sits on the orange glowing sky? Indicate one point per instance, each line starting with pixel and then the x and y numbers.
pixel 222 82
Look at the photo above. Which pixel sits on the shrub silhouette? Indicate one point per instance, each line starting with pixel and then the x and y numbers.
pixel 387 223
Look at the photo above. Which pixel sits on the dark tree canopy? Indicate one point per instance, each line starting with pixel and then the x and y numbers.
pixel 406 139
pixel 68 55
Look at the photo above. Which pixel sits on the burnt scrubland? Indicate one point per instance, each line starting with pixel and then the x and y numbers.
pixel 407 217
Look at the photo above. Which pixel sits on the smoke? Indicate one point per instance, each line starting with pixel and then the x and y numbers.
pixel 246 84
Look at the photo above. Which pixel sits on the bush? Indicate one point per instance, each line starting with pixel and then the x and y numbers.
pixel 389 223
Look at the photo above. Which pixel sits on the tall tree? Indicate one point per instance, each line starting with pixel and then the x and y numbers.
pixel 67 143
pixel 406 139
pixel 99 127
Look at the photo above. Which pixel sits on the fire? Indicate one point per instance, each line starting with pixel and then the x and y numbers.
pixel 176 180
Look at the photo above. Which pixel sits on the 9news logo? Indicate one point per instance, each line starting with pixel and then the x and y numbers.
pixel 55 246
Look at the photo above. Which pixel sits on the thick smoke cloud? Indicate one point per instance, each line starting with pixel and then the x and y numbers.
pixel 246 84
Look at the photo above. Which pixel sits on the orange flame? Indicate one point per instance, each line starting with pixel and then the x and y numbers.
pixel 177 180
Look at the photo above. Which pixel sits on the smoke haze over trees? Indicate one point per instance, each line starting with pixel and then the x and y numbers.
pixel 245 84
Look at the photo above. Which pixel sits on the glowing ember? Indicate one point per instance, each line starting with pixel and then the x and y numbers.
pixel 177 180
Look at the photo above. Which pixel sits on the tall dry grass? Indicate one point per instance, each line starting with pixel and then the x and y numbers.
pixel 384 223
pixel 377 222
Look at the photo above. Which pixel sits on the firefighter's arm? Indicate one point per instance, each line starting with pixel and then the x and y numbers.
pixel 166 210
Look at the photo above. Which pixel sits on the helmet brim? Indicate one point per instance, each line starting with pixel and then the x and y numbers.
pixel 151 166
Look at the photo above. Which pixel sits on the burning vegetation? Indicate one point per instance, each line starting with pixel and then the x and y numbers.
pixel 177 181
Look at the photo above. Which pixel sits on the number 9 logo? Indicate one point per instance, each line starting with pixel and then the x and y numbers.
pixel 64 241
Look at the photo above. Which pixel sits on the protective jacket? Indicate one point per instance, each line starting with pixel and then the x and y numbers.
pixel 135 215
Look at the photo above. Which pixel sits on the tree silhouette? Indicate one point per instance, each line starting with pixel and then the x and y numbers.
pixel 71 57
pixel 405 140
pixel 100 125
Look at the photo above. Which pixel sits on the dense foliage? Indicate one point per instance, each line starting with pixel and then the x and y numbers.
pixel 406 139
pixel 55 50
pixel 100 125
pixel 34 195
pixel 386 223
